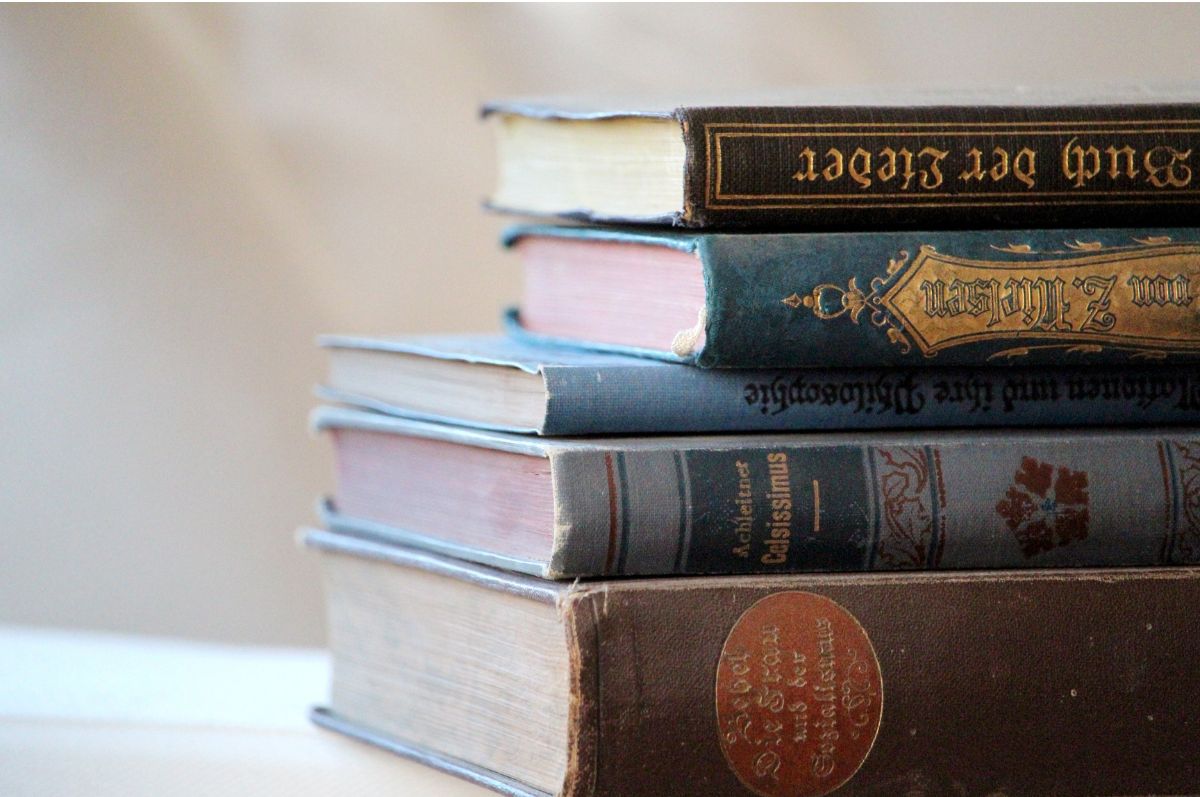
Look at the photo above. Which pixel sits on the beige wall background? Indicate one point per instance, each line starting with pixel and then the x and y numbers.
pixel 189 194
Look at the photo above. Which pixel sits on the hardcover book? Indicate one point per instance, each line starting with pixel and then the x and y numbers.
pixel 496 382
pixel 830 300
pixel 772 503
pixel 857 160
pixel 1069 683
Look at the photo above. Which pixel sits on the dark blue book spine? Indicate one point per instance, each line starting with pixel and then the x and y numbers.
pixel 942 298
pixel 677 399
pixel 951 298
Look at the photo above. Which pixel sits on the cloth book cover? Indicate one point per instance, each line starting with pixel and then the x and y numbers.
pixel 589 392
pixel 937 297
pixel 833 501
pixel 1055 682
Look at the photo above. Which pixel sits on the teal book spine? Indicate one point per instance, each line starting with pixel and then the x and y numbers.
pixel 954 298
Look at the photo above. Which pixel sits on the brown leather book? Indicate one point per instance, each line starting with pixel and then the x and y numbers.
pixel 1063 682
pixel 856 159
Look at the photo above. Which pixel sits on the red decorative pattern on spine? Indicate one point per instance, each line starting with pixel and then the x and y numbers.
pixel 906 517
pixel 1045 508
pixel 1187 524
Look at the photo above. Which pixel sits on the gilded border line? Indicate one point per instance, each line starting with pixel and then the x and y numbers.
pixel 714 133
pixel 1034 123
pixel 1124 257
pixel 1071 131
pixel 1190 199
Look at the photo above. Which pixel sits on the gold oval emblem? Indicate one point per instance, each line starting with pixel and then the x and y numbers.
pixel 799 696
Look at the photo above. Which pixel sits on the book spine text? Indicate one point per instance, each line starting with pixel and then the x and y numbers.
pixel 949 503
pixel 584 400
pixel 885 685
pixel 886 168
pixel 952 298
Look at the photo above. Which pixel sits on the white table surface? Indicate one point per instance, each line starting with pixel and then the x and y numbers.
pixel 97 714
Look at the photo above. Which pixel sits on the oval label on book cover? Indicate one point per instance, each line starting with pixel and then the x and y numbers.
pixel 799 696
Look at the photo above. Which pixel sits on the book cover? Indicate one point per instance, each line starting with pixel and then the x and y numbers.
pixel 878 160
pixel 1061 682
pixel 809 502
pixel 588 392
pixel 966 298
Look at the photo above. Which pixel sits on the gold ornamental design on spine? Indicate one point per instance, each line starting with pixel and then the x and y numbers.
pixel 828 301
pixel 799 696
pixel 1084 299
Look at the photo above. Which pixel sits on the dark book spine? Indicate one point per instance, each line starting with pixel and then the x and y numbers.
pixel 951 298
pixel 587 400
pixel 1063 683
pixel 906 167
pixel 931 502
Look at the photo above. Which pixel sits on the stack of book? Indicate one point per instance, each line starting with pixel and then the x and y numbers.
pixel 841 448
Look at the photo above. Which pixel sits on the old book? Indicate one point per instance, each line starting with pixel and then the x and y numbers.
pixel 857 160
pixel 496 382
pixel 828 300
pixel 1032 683
pixel 567 507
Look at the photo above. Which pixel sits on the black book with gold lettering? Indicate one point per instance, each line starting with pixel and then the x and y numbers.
pixel 868 161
